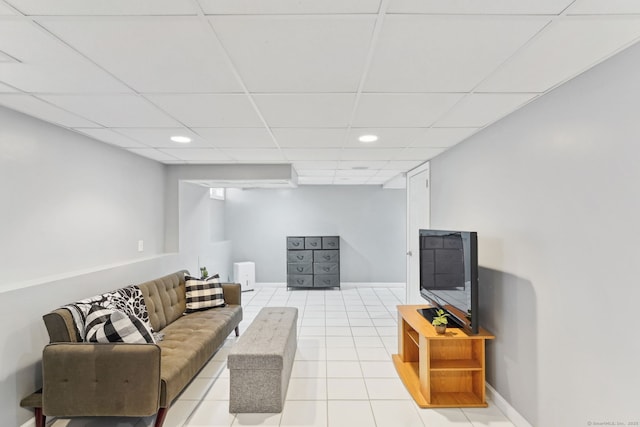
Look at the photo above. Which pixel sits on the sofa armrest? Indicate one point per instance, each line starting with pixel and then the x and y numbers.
pixel 232 293
pixel 87 379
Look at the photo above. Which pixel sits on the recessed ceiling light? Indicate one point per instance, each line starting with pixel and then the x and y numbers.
pixel 181 139
pixel 368 138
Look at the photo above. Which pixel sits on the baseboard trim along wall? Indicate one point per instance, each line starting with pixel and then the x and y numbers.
pixel 508 410
pixel 343 285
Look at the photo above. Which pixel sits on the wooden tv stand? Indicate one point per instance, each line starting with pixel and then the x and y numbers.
pixel 440 371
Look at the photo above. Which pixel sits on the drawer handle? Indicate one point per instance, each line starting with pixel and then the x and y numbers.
pixel 300 281
pixel 300 257
pixel 327 257
pixel 313 243
pixel 300 269
pixel 326 268
pixel 295 243
pixel 326 282
pixel 332 243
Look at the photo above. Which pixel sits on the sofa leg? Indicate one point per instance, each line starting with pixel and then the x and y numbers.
pixel 41 419
pixel 162 414
pixel 237 329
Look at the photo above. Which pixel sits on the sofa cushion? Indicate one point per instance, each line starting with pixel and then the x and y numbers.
pixel 106 325
pixel 202 294
pixel 165 299
pixel 187 346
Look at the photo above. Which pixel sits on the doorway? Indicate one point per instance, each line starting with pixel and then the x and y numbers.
pixel 418 216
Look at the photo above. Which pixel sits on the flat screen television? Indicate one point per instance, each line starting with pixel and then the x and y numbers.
pixel 449 276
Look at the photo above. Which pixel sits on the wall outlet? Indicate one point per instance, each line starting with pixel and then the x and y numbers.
pixel 140 245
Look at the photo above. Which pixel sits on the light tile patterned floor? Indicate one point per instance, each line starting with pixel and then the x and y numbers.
pixel 342 374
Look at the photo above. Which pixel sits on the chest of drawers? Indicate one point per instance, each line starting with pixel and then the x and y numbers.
pixel 313 261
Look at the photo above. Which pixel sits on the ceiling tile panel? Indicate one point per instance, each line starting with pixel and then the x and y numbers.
pixel 289 81
pixel 604 7
pixel 361 164
pixel 161 137
pixel 422 154
pixel 317 165
pixel 402 109
pixel 209 110
pixel 37 108
pixel 308 154
pixel 306 110
pixel 388 173
pixel 111 137
pixel 255 155
pixel 196 154
pixel 327 53
pixel 356 172
pixel 113 110
pixel 370 153
pixel 48 66
pixel 316 172
pixel 466 7
pixel 309 137
pixel 480 109
pixel 404 165
pixel 387 137
pixel 237 137
pixel 242 7
pixel 566 48
pixel 111 7
pixel 443 137
pixel 444 53
pixel 152 54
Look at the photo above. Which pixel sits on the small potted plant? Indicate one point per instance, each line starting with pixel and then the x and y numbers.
pixel 440 321
pixel 204 273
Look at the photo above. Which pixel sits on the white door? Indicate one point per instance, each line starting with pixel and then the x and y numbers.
pixel 417 218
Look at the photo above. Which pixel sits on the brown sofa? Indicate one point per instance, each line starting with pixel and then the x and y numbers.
pixel 137 380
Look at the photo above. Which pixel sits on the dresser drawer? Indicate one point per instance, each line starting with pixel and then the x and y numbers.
pixel 300 256
pixel 300 281
pixel 326 268
pixel 326 280
pixel 300 268
pixel 295 242
pixel 330 243
pixel 326 256
pixel 313 242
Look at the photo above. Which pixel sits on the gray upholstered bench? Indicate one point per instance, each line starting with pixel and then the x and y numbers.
pixel 260 362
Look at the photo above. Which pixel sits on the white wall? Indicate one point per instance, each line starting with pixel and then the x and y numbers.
pixel 553 191
pixel 69 202
pixel 72 212
pixel 369 220
pixel 202 231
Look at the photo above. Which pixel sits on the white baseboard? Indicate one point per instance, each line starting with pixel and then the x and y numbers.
pixel 510 412
pixel 343 285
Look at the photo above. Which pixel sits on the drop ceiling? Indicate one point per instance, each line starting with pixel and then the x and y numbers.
pixel 297 81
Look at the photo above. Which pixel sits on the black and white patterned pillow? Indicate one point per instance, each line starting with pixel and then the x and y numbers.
pixel 129 299
pixel 105 325
pixel 202 294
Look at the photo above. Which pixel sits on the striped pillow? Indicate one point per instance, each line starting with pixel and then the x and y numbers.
pixel 202 294
pixel 105 325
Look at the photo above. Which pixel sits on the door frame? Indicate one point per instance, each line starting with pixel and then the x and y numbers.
pixel 412 292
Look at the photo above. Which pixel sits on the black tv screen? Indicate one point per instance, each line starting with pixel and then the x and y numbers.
pixel 449 275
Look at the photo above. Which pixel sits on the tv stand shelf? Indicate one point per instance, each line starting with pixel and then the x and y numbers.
pixel 440 371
